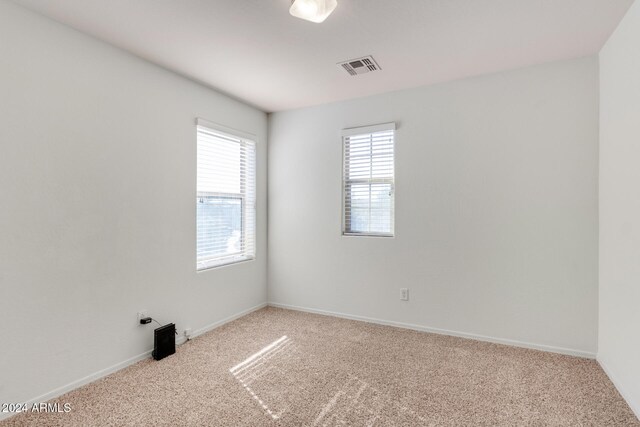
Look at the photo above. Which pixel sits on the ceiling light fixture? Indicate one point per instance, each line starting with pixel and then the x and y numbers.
pixel 312 10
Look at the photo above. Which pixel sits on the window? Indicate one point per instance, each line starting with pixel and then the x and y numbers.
pixel 368 180
pixel 226 196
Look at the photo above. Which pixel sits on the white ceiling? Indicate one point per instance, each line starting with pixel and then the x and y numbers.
pixel 255 51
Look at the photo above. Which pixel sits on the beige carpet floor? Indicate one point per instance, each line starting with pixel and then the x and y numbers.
pixel 278 367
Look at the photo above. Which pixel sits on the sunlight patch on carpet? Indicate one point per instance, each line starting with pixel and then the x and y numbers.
pixel 260 365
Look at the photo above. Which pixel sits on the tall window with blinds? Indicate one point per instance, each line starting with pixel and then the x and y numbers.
pixel 226 197
pixel 368 180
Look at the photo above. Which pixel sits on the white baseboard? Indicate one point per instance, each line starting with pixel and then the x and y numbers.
pixel 205 329
pixel 118 366
pixel 635 406
pixel 79 383
pixel 514 343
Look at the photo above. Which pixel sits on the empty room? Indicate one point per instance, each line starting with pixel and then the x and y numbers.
pixel 319 213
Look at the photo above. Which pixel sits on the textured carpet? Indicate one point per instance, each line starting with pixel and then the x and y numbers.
pixel 277 367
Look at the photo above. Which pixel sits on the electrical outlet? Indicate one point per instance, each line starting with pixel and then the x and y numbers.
pixel 142 314
pixel 187 333
pixel 404 294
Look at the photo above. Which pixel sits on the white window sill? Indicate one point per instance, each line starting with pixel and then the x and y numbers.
pixel 368 235
pixel 213 264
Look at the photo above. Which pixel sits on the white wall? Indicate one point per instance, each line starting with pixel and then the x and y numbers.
pixel 619 326
pixel 97 205
pixel 496 208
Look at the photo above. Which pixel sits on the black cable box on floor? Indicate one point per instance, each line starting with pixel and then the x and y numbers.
pixel 164 341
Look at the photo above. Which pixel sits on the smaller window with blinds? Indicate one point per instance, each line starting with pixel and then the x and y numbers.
pixel 368 182
pixel 226 196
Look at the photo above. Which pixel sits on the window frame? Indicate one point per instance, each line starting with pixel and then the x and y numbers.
pixel 368 130
pixel 250 142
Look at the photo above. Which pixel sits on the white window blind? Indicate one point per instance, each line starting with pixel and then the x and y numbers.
pixel 368 180
pixel 226 196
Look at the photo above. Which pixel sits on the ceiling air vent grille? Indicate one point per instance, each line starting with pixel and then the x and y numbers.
pixel 360 65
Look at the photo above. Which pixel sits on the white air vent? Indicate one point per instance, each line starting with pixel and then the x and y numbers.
pixel 360 65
